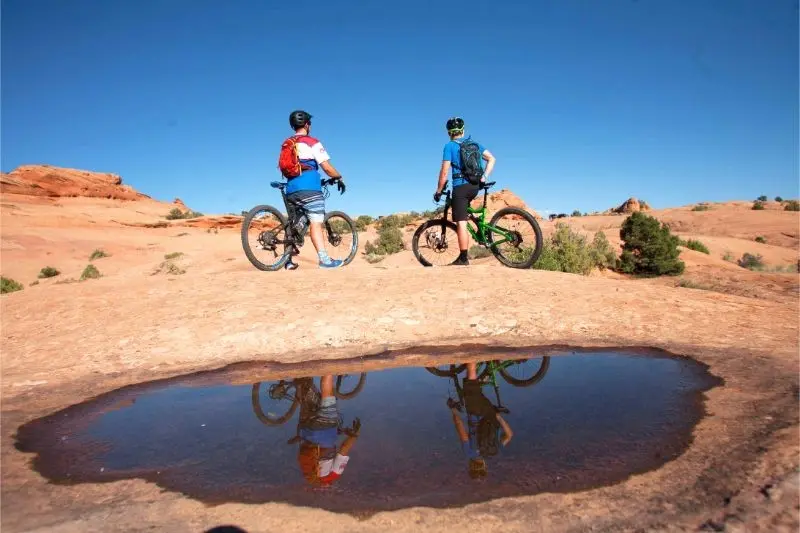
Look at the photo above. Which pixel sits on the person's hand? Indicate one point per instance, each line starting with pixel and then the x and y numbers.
pixel 354 429
pixel 437 196
pixel 340 185
pixel 452 404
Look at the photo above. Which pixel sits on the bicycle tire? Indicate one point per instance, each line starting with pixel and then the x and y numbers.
pixel 353 393
pixel 452 370
pixel 349 221
pixel 248 218
pixel 255 395
pixel 536 378
pixel 445 224
pixel 537 232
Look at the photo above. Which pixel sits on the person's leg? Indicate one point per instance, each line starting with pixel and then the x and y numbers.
pixel 472 371
pixel 326 385
pixel 314 208
pixel 463 238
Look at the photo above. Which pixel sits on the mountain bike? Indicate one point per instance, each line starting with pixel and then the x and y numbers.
pixel 284 396
pixel 513 247
pixel 506 369
pixel 486 376
pixel 281 237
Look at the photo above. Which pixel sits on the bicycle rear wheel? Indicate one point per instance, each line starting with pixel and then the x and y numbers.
pixel 279 399
pixel 446 371
pixel 343 384
pixel 264 238
pixel 526 374
pixel 520 236
pixel 341 237
pixel 435 243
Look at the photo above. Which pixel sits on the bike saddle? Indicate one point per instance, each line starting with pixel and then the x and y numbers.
pixel 277 185
pixel 488 185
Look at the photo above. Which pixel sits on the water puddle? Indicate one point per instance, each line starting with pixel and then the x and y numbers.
pixel 423 436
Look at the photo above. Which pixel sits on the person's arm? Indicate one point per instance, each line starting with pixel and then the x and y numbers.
pixel 324 160
pixel 490 160
pixel 460 429
pixel 348 444
pixel 443 176
pixel 330 170
pixel 507 433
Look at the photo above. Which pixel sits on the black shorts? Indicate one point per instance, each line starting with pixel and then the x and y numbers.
pixel 476 402
pixel 462 196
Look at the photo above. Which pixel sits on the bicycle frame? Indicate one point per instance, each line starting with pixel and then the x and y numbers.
pixel 482 229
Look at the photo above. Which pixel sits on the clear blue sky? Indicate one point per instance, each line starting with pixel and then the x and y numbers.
pixel 583 103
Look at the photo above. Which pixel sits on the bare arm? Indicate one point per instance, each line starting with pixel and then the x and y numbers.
pixel 490 160
pixel 330 170
pixel 347 444
pixel 460 429
pixel 443 176
pixel 507 433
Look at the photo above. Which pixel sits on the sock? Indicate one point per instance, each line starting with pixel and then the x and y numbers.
pixel 463 256
pixel 323 256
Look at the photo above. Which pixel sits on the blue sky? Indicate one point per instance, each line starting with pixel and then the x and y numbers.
pixel 583 103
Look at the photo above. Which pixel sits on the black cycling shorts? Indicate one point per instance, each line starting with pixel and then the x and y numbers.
pixel 462 196
pixel 475 401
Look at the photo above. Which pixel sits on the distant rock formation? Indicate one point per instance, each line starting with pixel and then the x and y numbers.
pixel 631 205
pixel 46 180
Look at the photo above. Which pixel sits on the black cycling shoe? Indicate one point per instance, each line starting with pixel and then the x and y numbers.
pixel 291 266
pixel 460 262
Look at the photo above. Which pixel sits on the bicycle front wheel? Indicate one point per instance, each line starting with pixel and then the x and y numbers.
pixel 341 237
pixel 264 238
pixel 435 243
pixel 446 371
pixel 514 237
pixel 275 403
pixel 525 372
pixel 345 388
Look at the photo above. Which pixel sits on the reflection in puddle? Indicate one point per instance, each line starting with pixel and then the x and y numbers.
pixel 365 442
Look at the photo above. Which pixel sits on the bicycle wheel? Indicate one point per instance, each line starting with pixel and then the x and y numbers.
pixel 446 371
pixel 341 237
pixel 527 376
pixel 264 231
pixel 520 236
pixel 435 243
pixel 342 387
pixel 281 402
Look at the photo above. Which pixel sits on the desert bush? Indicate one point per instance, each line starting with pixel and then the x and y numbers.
pixel 363 221
pixel 339 226
pixel 98 254
pixel 758 205
pixel 479 252
pixel 761 239
pixel 778 199
pixel 9 285
pixel 48 272
pixel 389 241
pixel 728 256
pixel 177 214
pixel 603 254
pixel 173 255
pixel 90 272
pixel 374 258
pixel 697 246
pixel 689 284
pixel 576 213
pixel 566 251
pixel 432 213
pixel 394 221
pixel 701 207
pixel 33 283
pixel 751 262
pixel 648 247
pixel 762 198
pixel 792 205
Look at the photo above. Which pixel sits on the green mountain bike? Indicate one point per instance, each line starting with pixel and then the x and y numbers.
pixel 513 236
pixel 516 372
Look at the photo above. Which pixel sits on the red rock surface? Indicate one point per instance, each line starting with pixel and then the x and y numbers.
pixel 45 180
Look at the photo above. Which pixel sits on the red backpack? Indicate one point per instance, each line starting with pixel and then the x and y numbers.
pixel 288 161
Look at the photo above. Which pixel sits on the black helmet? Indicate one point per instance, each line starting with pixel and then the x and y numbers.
pixel 299 119
pixel 455 125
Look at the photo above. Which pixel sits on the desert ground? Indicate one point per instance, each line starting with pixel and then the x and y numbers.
pixel 65 341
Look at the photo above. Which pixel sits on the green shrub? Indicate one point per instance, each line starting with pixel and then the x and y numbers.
pixel 697 246
pixel 758 205
pixel 751 262
pixel 389 241
pixel 603 254
pixel 778 199
pixel 792 205
pixel 648 247
pixel 761 239
pixel 90 272
pixel 48 272
pixel 339 226
pixel 9 285
pixel 701 207
pixel 374 258
pixel 479 252
pixel 177 214
pixel 762 198
pixel 98 254
pixel 363 221
pixel 566 251
pixel 173 255
pixel 33 284
pixel 728 256
pixel 576 213
pixel 394 221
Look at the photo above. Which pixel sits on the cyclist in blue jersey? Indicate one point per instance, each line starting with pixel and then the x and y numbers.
pixel 463 191
pixel 304 192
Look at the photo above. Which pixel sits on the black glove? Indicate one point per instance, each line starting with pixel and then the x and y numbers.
pixel 340 185
pixel 437 196
pixel 452 404
pixel 354 429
